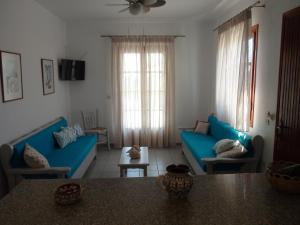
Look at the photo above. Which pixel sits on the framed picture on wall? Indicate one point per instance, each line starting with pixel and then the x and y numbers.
pixel 48 76
pixel 11 76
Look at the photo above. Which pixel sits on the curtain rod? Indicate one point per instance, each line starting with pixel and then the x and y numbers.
pixel 111 36
pixel 255 5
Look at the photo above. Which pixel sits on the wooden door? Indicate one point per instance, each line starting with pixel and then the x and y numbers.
pixel 287 135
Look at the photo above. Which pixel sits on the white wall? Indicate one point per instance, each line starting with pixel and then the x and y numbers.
pixel 29 29
pixel 270 21
pixel 193 65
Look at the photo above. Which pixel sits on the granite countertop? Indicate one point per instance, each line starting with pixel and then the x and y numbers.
pixel 243 199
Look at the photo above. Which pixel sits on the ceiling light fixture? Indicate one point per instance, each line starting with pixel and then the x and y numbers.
pixel 135 7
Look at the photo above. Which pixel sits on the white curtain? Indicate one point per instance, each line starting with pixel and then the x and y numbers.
pixel 143 91
pixel 233 77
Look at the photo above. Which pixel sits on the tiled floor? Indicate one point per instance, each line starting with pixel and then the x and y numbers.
pixel 106 164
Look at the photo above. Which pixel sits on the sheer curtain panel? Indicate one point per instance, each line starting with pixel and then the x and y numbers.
pixel 233 77
pixel 143 91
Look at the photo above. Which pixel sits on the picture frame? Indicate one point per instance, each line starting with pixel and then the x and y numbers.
pixel 48 76
pixel 11 76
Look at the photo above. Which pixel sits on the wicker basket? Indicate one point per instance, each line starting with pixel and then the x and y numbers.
pixel 282 182
pixel 68 194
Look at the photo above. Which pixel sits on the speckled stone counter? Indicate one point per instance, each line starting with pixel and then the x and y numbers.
pixel 214 200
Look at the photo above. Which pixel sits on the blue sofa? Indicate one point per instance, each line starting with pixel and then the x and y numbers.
pixel 198 149
pixel 69 162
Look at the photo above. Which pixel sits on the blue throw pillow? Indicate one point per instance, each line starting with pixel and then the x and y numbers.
pixel 218 129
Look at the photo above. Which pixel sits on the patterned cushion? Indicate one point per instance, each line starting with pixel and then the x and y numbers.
pixel 201 127
pixel 66 136
pixel 236 152
pixel 34 159
pixel 78 130
pixel 224 145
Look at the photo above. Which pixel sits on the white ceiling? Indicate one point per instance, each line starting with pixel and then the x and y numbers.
pixel 71 10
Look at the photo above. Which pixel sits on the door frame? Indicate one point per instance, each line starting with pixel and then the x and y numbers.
pixel 292 12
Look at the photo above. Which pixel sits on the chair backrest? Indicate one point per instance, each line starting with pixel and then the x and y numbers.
pixel 90 119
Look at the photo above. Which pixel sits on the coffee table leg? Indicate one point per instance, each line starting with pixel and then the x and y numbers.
pixel 145 171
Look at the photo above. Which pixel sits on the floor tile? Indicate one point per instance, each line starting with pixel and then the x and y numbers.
pixel 106 164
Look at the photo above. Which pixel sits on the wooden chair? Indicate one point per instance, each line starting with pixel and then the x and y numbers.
pixel 90 121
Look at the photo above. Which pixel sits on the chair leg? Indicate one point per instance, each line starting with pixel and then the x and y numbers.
pixel 108 140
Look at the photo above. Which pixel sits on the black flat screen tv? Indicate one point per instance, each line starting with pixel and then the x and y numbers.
pixel 71 69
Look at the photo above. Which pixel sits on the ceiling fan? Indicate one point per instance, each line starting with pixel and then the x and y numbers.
pixel 135 7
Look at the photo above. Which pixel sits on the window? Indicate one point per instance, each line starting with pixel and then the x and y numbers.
pixel 156 88
pixel 131 90
pixel 232 75
pixel 143 89
pixel 253 44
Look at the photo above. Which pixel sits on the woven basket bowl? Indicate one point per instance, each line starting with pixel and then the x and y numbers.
pixel 281 182
pixel 68 194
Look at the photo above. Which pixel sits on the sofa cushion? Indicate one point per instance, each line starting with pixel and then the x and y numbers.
pixel 201 146
pixel 43 141
pixel 73 154
pixel 221 130
pixel 218 129
pixel 34 159
pixel 64 137
pixel 201 127
pixel 224 145
pixel 236 152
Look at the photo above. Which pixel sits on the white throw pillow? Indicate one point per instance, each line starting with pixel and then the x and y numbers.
pixel 66 136
pixel 71 133
pixel 34 159
pixel 78 130
pixel 201 127
pixel 235 152
pixel 224 145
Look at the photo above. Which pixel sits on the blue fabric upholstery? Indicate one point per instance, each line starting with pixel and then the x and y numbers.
pixel 201 146
pixel 72 155
pixel 221 130
pixel 43 141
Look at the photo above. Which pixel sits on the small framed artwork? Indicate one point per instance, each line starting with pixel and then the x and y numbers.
pixel 48 76
pixel 11 76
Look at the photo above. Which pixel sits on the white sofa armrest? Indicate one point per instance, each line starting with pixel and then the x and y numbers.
pixel 211 162
pixel 228 160
pixel 186 128
pixel 60 171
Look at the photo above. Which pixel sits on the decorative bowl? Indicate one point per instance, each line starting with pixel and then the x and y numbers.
pixel 177 181
pixel 280 181
pixel 68 194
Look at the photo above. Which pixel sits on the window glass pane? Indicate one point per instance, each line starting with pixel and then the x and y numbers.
pixel 131 90
pixel 156 88
pixel 154 84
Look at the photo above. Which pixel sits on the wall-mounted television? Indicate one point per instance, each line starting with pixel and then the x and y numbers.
pixel 71 69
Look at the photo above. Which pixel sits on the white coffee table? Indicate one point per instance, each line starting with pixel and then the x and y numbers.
pixel 127 163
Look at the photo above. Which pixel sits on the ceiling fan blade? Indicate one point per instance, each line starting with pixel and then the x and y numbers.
pixel 124 10
pixel 159 3
pixel 116 4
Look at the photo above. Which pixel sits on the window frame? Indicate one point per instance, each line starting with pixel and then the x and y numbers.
pixel 254 35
